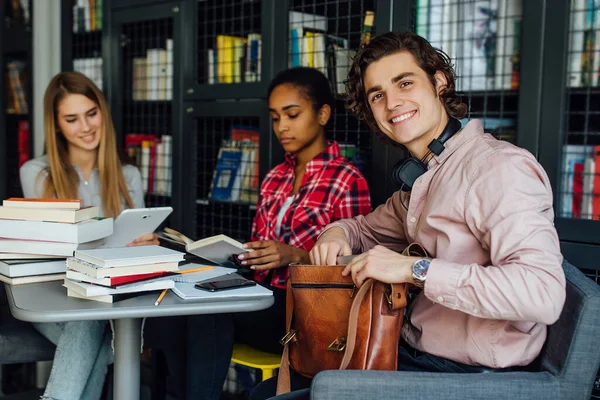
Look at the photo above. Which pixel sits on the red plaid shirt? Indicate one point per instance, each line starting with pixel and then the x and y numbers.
pixel 331 189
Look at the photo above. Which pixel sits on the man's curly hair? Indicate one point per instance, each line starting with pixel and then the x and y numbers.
pixel 428 58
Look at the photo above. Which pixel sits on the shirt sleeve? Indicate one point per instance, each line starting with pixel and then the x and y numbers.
pixel 508 207
pixel 354 201
pixel 384 226
pixel 134 184
pixel 32 181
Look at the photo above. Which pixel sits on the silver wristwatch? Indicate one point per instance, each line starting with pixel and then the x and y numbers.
pixel 419 271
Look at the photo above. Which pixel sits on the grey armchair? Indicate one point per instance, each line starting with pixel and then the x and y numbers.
pixel 19 341
pixel 565 369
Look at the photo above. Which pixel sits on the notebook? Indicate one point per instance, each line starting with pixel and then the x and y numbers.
pixel 187 291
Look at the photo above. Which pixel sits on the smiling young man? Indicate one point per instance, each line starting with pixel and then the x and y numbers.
pixel 482 209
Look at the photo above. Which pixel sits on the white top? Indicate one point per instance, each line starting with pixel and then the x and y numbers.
pixel 33 174
pixel 284 207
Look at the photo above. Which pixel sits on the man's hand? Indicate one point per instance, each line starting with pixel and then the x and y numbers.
pixel 269 254
pixel 382 264
pixel 145 240
pixel 331 244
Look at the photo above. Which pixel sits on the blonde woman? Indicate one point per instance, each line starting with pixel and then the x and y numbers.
pixel 82 162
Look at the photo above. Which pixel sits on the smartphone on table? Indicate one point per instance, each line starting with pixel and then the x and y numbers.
pixel 225 284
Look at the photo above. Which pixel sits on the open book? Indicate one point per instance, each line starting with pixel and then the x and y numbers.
pixel 219 249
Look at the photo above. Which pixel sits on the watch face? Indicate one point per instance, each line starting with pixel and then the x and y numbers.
pixel 420 267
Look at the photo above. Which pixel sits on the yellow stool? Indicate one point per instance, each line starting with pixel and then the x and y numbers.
pixel 251 357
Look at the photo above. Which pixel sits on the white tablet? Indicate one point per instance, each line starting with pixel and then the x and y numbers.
pixel 133 223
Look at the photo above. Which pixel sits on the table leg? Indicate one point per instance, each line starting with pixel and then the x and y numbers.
pixel 127 359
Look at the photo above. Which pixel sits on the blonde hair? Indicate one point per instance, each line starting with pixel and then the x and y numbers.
pixel 62 180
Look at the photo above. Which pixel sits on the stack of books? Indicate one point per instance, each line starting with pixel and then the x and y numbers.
pixel 37 235
pixel 109 275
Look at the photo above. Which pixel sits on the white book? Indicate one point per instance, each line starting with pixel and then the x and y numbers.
pixel 31 279
pixel 588 188
pixel 576 33
pixel 167 141
pixel 25 256
pixel 129 256
pixel 211 66
pixel 81 232
pixel 216 249
pixel 42 203
pixel 311 21
pixel 18 268
pixel 88 289
pixel 162 75
pixel 169 92
pixel 44 247
pixel 49 214
pixel 95 272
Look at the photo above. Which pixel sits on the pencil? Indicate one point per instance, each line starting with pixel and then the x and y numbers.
pixel 187 271
pixel 157 302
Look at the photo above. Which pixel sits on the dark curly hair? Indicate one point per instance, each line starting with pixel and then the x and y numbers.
pixel 428 58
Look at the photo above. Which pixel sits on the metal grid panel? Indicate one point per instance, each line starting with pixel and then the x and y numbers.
pixel 228 41
pixel 325 34
pixel 87 39
pixel 482 38
pixel 147 94
pixel 579 195
pixel 226 165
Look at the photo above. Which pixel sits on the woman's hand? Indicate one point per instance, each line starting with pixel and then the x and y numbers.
pixel 382 264
pixel 147 239
pixel 269 254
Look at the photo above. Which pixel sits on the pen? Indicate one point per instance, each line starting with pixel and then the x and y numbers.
pixel 157 302
pixel 187 271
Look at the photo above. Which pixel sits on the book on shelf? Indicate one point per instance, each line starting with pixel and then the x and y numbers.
pixel 152 75
pixel 24 142
pixel 20 202
pixel 580 184
pixel 94 271
pixel 482 38
pixel 22 280
pixel 81 232
pixel 234 59
pixel 87 16
pixel 20 268
pixel 49 214
pixel 153 157
pixel 16 78
pixel 90 67
pixel 217 249
pixel 17 12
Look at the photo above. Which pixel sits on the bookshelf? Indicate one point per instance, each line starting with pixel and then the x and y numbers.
pixel 15 102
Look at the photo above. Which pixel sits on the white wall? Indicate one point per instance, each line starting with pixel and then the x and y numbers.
pixel 46 61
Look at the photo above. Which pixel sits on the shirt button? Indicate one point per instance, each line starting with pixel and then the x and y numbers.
pixel 440 299
pixel 413 220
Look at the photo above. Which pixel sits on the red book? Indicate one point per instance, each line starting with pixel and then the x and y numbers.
pixel 596 190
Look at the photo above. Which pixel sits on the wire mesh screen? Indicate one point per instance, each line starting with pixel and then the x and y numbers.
pixel 482 38
pixel 227 180
pixel 580 164
pixel 147 93
pixel 228 41
pixel 87 39
pixel 325 34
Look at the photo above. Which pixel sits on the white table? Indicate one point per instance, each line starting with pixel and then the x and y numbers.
pixel 48 302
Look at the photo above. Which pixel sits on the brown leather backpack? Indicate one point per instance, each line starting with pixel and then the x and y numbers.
pixel 336 326
pixel 332 325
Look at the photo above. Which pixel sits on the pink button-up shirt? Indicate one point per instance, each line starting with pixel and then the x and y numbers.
pixel 483 210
